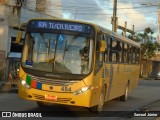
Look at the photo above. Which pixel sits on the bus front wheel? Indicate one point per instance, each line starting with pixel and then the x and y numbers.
pixel 99 107
pixel 41 104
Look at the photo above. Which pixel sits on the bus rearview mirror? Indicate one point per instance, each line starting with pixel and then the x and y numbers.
pixel 102 46
pixel 19 36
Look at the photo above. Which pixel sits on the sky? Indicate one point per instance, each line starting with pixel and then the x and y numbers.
pixel 140 13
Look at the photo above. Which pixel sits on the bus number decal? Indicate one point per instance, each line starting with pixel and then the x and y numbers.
pixel 66 89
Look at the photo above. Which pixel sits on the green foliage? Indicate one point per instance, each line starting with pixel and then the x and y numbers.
pixel 148 47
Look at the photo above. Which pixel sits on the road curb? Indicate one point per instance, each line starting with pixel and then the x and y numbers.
pixel 6 88
pixel 13 90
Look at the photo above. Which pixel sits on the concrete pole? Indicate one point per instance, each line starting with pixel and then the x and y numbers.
pixel 76 14
pixel 133 28
pixel 159 25
pixel 125 26
pixel 114 19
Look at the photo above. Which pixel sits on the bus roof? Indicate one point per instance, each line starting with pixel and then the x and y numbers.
pixel 97 27
pixel 122 38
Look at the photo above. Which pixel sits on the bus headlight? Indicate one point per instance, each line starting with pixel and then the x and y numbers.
pixel 23 82
pixel 82 90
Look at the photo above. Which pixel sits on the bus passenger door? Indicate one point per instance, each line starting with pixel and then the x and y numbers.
pixel 99 55
pixel 99 64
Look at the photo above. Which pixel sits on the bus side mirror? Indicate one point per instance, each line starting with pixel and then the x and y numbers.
pixel 19 36
pixel 102 46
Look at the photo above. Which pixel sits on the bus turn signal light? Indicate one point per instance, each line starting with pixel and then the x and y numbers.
pixel 82 90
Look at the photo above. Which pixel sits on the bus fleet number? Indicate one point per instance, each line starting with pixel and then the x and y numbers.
pixel 66 89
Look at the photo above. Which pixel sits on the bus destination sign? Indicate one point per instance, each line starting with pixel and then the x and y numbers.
pixel 59 25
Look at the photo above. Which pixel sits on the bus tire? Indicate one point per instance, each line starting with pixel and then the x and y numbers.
pixel 99 108
pixel 41 104
pixel 125 96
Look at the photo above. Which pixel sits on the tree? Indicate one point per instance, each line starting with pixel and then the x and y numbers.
pixel 148 47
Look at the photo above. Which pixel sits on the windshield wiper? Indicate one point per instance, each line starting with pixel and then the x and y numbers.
pixel 71 41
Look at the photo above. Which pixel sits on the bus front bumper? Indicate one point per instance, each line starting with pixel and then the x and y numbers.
pixel 82 99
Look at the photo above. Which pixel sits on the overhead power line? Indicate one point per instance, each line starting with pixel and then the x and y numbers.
pixel 87 7
pixel 89 13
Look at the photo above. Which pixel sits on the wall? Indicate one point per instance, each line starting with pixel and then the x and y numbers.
pixel 2 64
pixel 150 68
pixel 156 68
pixel 3 29
pixel 8 20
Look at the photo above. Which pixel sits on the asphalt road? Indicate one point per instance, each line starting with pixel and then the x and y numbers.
pixel 145 94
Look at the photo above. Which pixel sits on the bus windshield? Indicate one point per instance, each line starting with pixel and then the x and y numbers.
pixel 58 53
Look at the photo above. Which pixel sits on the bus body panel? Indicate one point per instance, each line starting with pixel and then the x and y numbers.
pixel 87 99
pixel 117 78
pixel 113 76
pixel 62 98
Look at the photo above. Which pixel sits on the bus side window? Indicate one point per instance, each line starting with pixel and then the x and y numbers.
pixel 137 52
pixel 126 53
pixel 98 54
pixel 133 51
pixel 114 51
pixel 120 46
pixel 130 54
pixel 109 49
pixel 111 58
pixel 107 39
pixel 122 52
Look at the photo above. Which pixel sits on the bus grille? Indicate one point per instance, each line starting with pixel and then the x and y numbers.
pixel 62 100
pixel 55 82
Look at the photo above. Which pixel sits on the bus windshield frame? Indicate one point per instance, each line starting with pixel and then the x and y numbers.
pixel 59 51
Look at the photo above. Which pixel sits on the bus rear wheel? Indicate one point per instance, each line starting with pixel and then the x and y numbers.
pixel 125 96
pixel 99 107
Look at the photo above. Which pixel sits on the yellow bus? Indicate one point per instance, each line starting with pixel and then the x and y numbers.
pixel 76 63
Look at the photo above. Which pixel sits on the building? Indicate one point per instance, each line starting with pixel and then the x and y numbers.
pixel 3 39
pixel 13 13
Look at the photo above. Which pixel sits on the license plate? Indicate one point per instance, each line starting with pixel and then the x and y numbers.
pixel 50 97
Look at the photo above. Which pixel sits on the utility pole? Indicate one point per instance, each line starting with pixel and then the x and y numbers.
pixel 114 18
pixel 159 25
pixel 17 7
pixel 133 29
pixel 17 10
pixel 125 28
pixel 75 14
